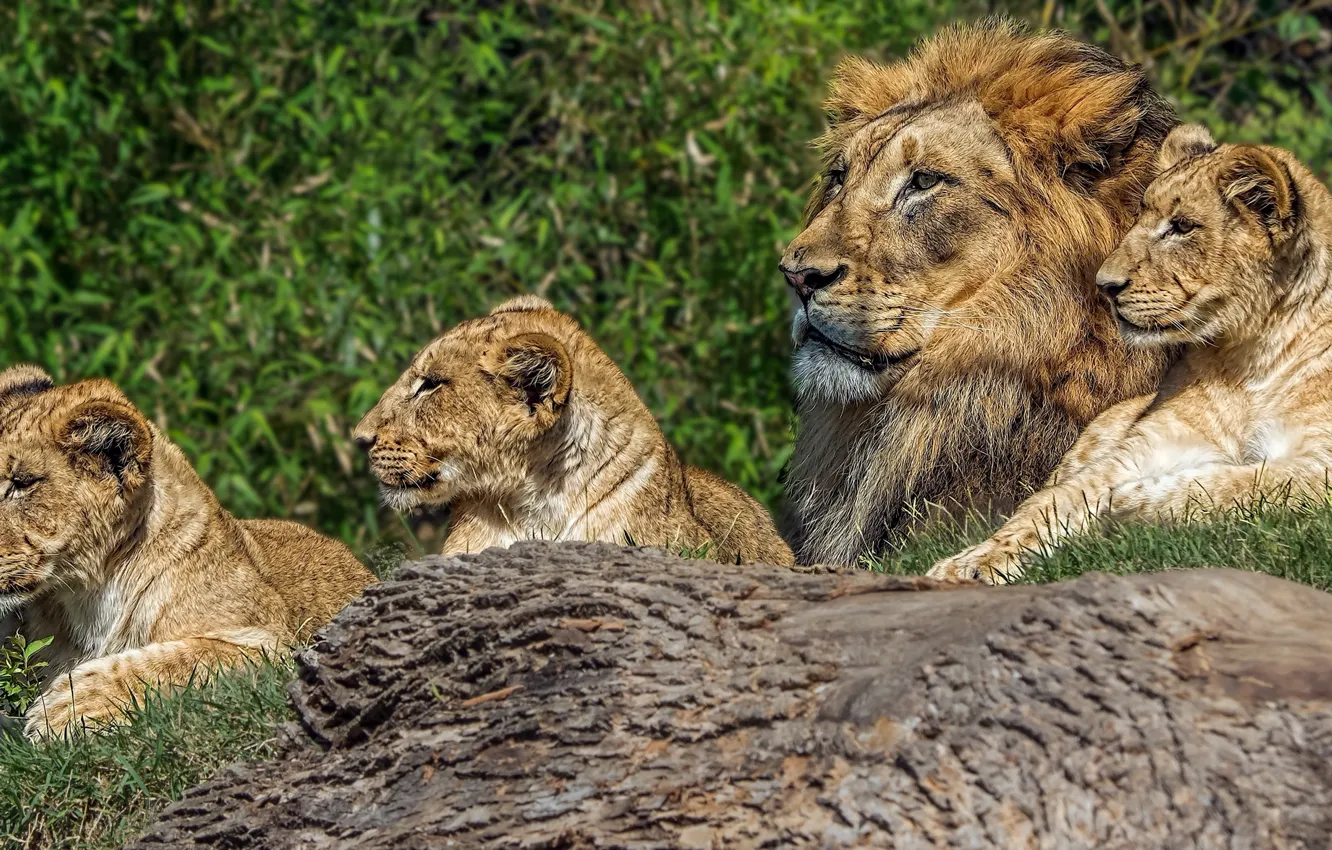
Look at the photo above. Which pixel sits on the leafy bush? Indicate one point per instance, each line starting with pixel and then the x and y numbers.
pixel 20 673
pixel 251 214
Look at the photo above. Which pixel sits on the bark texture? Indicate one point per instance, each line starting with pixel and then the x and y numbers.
pixel 591 696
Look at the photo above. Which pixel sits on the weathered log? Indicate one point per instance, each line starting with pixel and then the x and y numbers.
pixel 590 696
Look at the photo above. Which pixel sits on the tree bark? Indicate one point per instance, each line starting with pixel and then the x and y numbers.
pixel 583 695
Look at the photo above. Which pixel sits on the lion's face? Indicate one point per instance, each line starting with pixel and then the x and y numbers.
pixel 72 462
pixel 464 416
pixel 1198 264
pixel 912 217
pixel 950 340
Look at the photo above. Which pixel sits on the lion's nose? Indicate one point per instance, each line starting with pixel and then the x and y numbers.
pixel 1111 284
pixel 808 280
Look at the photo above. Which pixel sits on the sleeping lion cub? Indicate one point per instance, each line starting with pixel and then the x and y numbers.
pixel 1231 258
pixel 527 430
pixel 110 543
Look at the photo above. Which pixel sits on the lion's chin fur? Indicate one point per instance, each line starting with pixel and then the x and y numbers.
pixel 821 375
pixel 11 602
pixel 403 499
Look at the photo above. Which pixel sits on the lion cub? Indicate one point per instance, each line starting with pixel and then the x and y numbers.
pixel 526 429
pixel 112 544
pixel 1232 258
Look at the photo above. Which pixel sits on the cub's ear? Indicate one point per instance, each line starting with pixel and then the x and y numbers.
pixel 538 367
pixel 523 304
pixel 1260 185
pixel 23 380
pixel 109 438
pixel 1187 141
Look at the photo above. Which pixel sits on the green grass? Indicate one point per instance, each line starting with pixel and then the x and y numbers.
pixel 100 790
pixel 1289 542
pixel 97 791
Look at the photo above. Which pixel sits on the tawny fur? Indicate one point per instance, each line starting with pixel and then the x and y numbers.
pixel 528 431
pixel 111 544
pixel 1230 258
pixel 949 341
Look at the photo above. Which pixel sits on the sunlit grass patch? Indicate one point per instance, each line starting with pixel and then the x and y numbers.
pixel 1278 538
pixel 98 790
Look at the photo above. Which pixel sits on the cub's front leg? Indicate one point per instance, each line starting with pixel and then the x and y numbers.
pixel 98 692
pixel 1078 492
pixel 1036 526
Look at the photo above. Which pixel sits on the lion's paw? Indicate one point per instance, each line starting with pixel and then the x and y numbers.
pixel 984 562
pixel 75 703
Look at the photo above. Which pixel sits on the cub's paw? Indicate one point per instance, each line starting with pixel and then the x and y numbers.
pixel 984 562
pixel 75 703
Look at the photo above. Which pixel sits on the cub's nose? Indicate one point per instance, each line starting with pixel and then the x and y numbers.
pixel 1111 284
pixel 364 441
pixel 809 279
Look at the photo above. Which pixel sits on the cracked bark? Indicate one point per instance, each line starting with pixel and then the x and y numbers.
pixel 587 695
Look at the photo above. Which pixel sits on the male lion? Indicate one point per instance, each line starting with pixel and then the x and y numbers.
pixel 111 544
pixel 1232 257
pixel 522 425
pixel 949 340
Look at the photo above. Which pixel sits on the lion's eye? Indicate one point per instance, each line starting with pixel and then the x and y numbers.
pixel 836 179
pixel 22 482
pixel 427 383
pixel 922 180
pixel 1182 226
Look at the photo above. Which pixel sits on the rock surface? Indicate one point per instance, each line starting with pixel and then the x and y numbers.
pixel 592 696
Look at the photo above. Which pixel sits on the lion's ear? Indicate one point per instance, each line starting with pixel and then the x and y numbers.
pixel 1261 186
pixel 1185 142
pixel 538 367
pixel 860 88
pixel 1113 125
pixel 109 438
pixel 24 379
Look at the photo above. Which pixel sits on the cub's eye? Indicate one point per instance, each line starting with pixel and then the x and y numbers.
pixel 922 180
pixel 1182 226
pixel 428 383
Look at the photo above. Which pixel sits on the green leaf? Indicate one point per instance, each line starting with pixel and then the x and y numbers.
pixel 149 194
pixel 36 646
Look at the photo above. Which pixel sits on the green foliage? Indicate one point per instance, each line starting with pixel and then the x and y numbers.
pixel 701 552
pixel 96 791
pixel 252 214
pixel 20 677
pixel 1251 70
